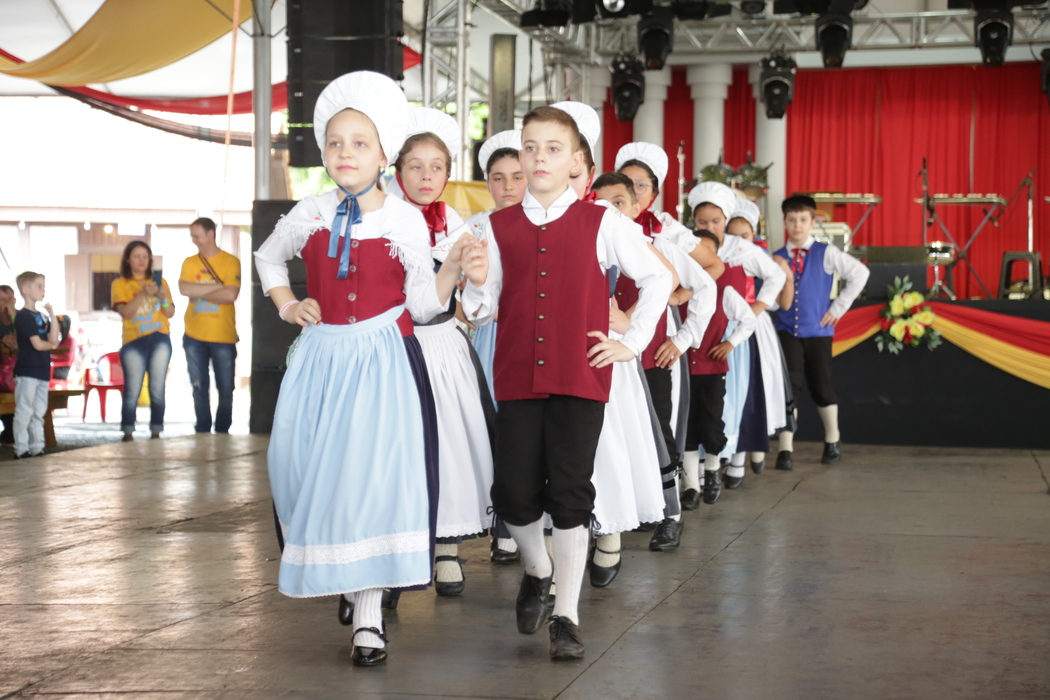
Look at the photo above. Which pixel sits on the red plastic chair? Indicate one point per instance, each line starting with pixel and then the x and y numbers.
pixel 110 377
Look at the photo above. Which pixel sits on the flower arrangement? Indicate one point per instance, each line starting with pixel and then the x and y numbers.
pixel 906 320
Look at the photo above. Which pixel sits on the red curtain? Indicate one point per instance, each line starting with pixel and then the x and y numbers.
pixel 615 133
pixel 867 130
pixel 739 135
pixel 678 127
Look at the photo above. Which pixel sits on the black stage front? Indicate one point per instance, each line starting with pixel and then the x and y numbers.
pixel 942 398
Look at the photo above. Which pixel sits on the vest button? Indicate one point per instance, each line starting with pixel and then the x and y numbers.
pixel 354 243
pixel 351 296
pixel 543 295
pixel 541 362
pixel 543 228
pixel 539 340
pixel 796 326
pixel 352 319
pixel 541 317
pixel 543 250
pixel 543 273
pixel 353 268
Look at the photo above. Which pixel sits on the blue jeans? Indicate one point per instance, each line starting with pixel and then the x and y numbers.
pixel 149 353
pixel 222 357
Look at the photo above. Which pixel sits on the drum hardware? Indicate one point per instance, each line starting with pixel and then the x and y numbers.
pixel 872 200
pixel 940 254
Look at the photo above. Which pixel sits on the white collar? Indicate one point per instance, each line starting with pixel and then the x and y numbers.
pixel 805 246
pixel 562 202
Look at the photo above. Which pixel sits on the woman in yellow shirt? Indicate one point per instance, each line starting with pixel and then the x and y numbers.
pixel 146 308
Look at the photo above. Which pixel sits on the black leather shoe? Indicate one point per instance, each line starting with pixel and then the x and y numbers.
pixel 566 644
pixel 346 611
pixel 832 453
pixel 784 462
pixel 602 576
pixel 667 536
pixel 502 556
pixel 390 598
pixel 531 605
pixel 732 482
pixel 368 656
pixel 690 499
pixel 758 467
pixel 449 587
pixel 712 487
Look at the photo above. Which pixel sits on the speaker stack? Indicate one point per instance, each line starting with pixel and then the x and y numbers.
pixel 327 38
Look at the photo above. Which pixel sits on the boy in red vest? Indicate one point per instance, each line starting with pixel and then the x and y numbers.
pixel 546 271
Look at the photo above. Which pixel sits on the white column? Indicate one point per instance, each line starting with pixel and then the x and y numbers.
pixel 649 122
pixel 709 88
pixel 771 147
pixel 595 91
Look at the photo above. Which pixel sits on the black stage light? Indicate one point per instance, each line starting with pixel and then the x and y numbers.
pixel 584 11
pixel 993 30
pixel 834 33
pixel 547 13
pixel 753 8
pixel 618 9
pixel 656 37
pixel 1045 76
pixel 628 86
pixel 700 9
pixel 777 83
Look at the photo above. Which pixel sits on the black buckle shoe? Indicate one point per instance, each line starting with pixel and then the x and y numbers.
pixel 368 656
pixel 784 462
pixel 602 576
pixel 566 644
pixel 531 605
pixel 449 588
pixel 346 611
pixel 390 598
pixel 502 556
pixel 732 482
pixel 832 453
pixel 712 487
pixel 667 536
pixel 690 499
pixel 758 467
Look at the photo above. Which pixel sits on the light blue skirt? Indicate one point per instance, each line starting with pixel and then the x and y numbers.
pixel 738 378
pixel 485 347
pixel 347 465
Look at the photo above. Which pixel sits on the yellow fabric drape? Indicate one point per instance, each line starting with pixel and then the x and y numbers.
pixel 1025 364
pixel 126 38
pixel 840 346
pixel 467 198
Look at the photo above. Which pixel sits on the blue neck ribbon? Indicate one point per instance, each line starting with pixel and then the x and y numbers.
pixel 346 215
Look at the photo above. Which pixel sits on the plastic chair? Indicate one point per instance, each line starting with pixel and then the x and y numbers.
pixel 1028 287
pixel 110 377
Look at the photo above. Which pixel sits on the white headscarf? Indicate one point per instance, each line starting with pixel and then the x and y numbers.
pixel 648 153
pixel 504 139
pixel 714 193
pixel 586 119
pixel 747 210
pixel 373 94
pixel 427 119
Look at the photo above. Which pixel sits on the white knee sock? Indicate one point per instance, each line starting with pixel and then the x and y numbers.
pixel 533 552
pixel 691 471
pixel 712 463
pixel 737 460
pixel 507 545
pixel 677 518
pixel 829 416
pixel 570 556
pixel 603 545
pixel 758 457
pixel 787 441
pixel 448 571
pixel 368 612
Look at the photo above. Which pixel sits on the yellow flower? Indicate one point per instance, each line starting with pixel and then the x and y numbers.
pixel 925 317
pixel 897 305
pixel 897 329
pixel 916 328
pixel 913 298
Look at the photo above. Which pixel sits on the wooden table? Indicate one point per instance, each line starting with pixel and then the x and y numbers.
pixel 56 398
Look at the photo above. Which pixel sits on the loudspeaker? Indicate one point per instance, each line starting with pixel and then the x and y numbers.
pixel 327 38
pixel 883 274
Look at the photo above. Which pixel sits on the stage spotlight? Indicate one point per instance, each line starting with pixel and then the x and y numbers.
pixel 618 9
pixel 777 83
pixel 628 86
pixel 584 11
pixel 700 9
pixel 547 13
pixel 656 37
pixel 753 8
pixel 993 30
pixel 1045 76
pixel 834 32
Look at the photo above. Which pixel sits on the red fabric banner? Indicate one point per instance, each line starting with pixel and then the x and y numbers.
pixel 1026 333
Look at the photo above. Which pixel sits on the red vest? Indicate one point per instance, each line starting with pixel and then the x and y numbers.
pixel 736 278
pixel 626 297
pixel 699 361
pixel 554 293
pixel 374 285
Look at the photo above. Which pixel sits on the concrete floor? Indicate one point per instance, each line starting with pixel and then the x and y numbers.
pixel 148 569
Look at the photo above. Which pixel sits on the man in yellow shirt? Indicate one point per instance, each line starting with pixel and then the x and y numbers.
pixel 212 281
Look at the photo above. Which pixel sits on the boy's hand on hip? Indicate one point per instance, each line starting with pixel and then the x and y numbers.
pixel 721 351
pixel 607 351
pixel 829 320
pixel 667 354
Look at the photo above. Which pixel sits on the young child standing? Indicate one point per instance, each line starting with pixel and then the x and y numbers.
pixel 465 412
pixel 37 336
pixel 546 271
pixel 353 457
pixel 806 327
